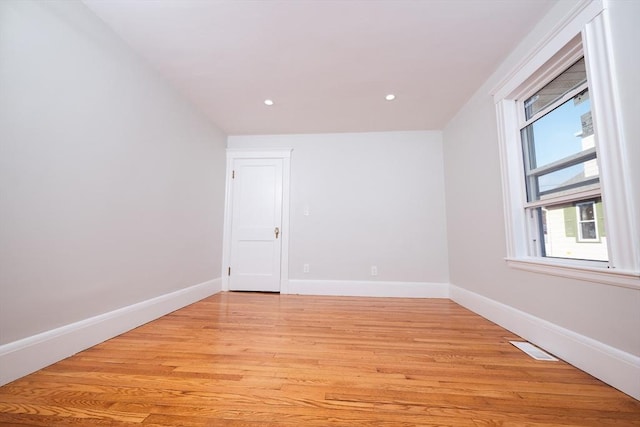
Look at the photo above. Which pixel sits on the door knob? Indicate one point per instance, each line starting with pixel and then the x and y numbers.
pixel 277 231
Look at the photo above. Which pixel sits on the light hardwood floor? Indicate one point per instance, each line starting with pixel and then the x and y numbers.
pixel 244 359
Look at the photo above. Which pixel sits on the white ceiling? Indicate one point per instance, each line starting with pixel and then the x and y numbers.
pixel 327 64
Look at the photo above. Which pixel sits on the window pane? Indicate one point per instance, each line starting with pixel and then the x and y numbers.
pixel 564 235
pixel 588 230
pixel 561 181
pixel 561 133
pixel 586 212
pixel 573 77
pixel 559 150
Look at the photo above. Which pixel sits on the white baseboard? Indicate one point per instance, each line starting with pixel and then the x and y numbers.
pixel 369 288
pixel 22 357
pixel 611 365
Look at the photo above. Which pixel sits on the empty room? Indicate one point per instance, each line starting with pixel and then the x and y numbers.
pixel 319 213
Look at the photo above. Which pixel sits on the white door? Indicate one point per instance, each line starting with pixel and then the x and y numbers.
pixel 256 224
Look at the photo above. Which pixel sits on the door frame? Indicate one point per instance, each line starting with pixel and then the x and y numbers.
pixel 244 153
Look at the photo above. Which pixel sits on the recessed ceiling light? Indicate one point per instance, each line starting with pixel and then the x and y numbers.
pixel 390 97
pixel 268 102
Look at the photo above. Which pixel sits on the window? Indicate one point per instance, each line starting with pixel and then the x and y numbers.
pixel 587 224
pixel 560 165
pixel 563 165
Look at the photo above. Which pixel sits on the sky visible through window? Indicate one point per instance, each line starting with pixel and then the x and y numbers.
pixel 557 135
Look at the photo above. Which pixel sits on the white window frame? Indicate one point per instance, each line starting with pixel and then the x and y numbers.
pixel 583 32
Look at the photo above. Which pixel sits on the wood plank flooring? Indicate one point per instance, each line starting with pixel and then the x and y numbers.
pixel 244 359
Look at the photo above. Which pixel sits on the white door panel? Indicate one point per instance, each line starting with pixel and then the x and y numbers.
pixel 256 220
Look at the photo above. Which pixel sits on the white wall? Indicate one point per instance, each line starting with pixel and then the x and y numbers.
pixel 607 314
pixel 626 39
pixel 373 199
pixel 111 185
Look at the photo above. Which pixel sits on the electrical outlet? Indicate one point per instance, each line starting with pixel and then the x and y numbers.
pixel 374 270
pixel 305 268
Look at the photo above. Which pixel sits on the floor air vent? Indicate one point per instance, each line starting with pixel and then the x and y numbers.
pixel 533 351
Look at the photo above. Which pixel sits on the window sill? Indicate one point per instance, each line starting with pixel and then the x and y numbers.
pixel 625 279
